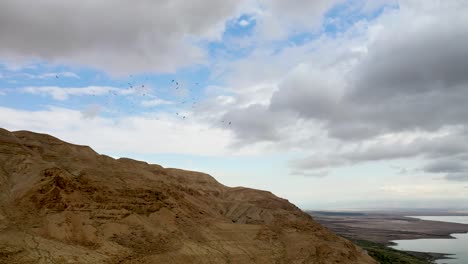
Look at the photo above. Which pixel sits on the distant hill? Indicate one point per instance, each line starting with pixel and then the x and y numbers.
pixel 64 203
pixel 332 213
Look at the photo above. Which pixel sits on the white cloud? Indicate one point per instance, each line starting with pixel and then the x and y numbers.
pixel 68 75
pixel 155 102
pixel 60 93
pixel 148 36
pixel 244 23
pixel 300 100
pixel 368 90
pixel 130 134
pixel 135 37
pixel 278 19
pixel 50 75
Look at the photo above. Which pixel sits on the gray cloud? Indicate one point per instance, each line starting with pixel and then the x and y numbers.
pixel 308 92
pixel 410 79
pixel 447 154
pixel 119 36
pixel 431 148
pixel 446 166
pixel 412 69
pixel 280 18
pixel 457 176
pixel 316 162
pixel 453 169
pixel 255 123
pixel 402 170
pixel 314 174
pixel 394 87
pixel 124 36
pixel 91 111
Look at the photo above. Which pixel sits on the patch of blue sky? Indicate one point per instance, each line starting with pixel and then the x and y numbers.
pixel 190 80
pixel 23 101
pixel 337 20
pixel 296 39
pixel 235 39
pixel 237 42
pixel 344 15
pixel 241 26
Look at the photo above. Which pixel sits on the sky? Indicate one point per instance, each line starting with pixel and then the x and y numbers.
pixel 331 104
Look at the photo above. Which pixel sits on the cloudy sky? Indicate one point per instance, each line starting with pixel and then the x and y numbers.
pixel 330 104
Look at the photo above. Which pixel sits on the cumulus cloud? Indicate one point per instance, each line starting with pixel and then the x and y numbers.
pixel 399 91
pixel 309 92
pixel 414 66
pixel 146 36
pixel 250 122
pixel 390 88
pixel 129 134
pixel 120 37
pixel 445 153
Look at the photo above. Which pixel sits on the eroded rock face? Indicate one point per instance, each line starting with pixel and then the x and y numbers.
pixel 63 203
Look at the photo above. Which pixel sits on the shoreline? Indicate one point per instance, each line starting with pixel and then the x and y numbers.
pixel 432 256
pixel 385 228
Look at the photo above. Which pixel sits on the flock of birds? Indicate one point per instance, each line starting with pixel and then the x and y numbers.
pixel 144 91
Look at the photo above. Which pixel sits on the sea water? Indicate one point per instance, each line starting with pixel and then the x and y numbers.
pixel 458 246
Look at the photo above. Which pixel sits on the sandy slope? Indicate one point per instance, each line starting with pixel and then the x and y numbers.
pixel 63 203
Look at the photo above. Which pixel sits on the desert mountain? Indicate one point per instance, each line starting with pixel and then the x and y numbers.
pixel 64 203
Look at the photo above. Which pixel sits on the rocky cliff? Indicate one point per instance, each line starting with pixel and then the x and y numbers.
pixel 64 203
